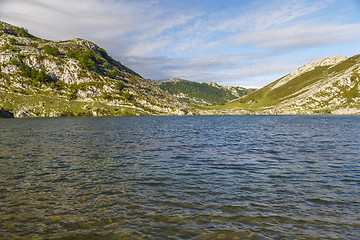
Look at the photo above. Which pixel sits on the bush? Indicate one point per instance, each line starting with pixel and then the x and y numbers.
pixel 58 85
pixel 106 96
pixel 13 41
pixel 71 54
pixel 22 32
pixel 51 50
pixel 113 73
pixel 35 75
pixel 72 94
pixel 35 45
pixel 127 96
pixel 103 53
pixel 7 47
pixel 87 62
pixel 15 62
pixel 86 59
pixel 119 86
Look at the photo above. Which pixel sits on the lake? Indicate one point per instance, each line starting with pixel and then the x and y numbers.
pixel 180 177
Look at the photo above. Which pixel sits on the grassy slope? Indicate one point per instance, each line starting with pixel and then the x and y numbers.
pixel 267 97
pixel 107 81
pixel 43 105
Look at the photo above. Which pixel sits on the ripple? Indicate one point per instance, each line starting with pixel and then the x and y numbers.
pixel 200 177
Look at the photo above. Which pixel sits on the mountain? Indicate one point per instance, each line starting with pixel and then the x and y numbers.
pixel 76 77
pixel 209 93
pixel 327 86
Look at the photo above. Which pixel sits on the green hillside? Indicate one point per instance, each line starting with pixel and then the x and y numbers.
pixel 202 93
pixel 76 77
pixel 326 86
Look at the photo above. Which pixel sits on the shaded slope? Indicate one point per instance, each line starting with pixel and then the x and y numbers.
pixel 201 93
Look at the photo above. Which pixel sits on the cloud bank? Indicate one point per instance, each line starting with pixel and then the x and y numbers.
pixel 246 43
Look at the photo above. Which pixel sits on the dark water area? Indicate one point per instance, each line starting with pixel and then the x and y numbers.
pixel 194 177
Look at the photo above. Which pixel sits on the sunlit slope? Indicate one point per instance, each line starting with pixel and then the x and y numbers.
pixel 42 78
pixel 330 85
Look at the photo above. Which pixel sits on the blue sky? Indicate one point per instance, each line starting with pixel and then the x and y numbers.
pixel 240 43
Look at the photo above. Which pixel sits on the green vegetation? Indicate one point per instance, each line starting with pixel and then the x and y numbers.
pixel 201 91
pixel 22 32
pixel 7 47
pixel 352 92
pixel 119 86
pixel 267 96
pixel 37 76
pixel 35 45
pixel 27 89
pixel 103 53
pixel 54 51
pixel 15 31
pixel 46 106
pixel 13 41
pixel 86 59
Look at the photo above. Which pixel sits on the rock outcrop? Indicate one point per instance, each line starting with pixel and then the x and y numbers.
pixel 59 78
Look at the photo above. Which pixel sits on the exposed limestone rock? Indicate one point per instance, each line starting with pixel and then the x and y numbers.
pixel 69 75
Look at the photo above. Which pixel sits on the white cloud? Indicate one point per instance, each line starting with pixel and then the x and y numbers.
pixel 137 25
pixel 162 39
pixel 299 35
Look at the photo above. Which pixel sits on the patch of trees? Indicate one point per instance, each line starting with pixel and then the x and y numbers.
pixel 35 75
pixel 87 59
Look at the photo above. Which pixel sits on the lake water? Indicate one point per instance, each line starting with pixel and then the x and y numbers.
pixel 193 177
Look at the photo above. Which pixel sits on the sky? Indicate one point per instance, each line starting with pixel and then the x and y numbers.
pixel 231 42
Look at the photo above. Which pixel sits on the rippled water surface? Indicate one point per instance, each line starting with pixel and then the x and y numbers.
pixel 200 177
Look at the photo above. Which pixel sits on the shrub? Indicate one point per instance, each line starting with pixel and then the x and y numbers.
pixel 35 45
pixel 86 59
pixel 113 73
pixel 15 62
pixel 119 86
pixel 58 85
pixel 103 53
pixel 72 94
pixel 7 47
pixel 71 54
pixel 87 62
pixel 106 96
pixel 127 96
pixel 35 75
pixel 22 32
pixel 51 50
pixel 13 41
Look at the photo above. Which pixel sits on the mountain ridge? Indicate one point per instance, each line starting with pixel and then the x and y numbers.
pixel 75 77
pixel 43 78
pixel 203 94
pixel 326 86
